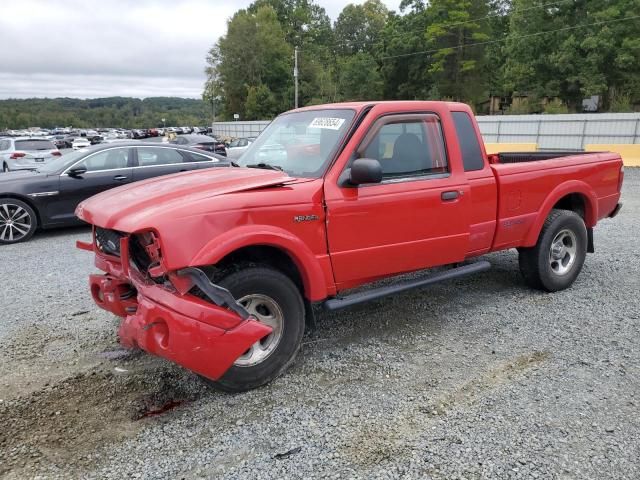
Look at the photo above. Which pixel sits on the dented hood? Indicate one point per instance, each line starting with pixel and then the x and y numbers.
pixel 131 204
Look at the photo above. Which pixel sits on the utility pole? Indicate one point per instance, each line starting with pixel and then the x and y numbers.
pixel 295 74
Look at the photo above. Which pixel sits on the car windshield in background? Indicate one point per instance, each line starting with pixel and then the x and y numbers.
pixel 31 145
pixel 299 143
pixel 59 163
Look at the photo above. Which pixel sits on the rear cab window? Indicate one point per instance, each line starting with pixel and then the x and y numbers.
pixel 472 158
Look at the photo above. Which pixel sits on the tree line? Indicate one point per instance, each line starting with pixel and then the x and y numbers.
pixel 512 56
pixel 121 112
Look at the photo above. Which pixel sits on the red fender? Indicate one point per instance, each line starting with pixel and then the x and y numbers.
pixel 562 190
pixel 313 278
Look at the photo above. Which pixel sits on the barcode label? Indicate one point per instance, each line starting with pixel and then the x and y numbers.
pixel 325 122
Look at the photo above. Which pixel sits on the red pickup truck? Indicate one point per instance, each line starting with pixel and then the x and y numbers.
pixel 218 270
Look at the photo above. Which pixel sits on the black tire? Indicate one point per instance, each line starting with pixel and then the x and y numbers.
pixel 265 281
pixel 539 265
pixel 5 168
pixel 13 209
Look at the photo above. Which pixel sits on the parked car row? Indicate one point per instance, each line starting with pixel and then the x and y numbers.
pixel 64 137
pixel 202 142
pixel 45 194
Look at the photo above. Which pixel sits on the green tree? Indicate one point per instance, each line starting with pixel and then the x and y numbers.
pixel 457 64
pixel 404 72
pixel 359 78
pixel 359 27
pixel 591 48
pixel 253 52
pixel 101 112
pixel 261 103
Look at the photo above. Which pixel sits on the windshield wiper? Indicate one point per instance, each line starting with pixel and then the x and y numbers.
pixel 266 166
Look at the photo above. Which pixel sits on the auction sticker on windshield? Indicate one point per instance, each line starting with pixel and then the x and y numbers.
pixel 325 122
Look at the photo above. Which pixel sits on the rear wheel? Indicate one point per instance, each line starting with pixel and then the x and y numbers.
pixel 272 298
pixel 5 168
pixel 18 221
pixel 557 258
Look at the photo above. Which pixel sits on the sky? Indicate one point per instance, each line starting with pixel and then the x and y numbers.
pixel 90 49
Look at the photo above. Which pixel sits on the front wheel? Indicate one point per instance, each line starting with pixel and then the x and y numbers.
pixel 5 168
pixel 272 298
pixel 557 258
pixel 18 221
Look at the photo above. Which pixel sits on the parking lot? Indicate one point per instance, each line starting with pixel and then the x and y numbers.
pixel 477 378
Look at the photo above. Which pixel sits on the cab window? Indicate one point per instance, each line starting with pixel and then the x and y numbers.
pixel 406 146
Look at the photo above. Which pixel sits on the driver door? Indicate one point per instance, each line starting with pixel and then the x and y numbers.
pixel 416 218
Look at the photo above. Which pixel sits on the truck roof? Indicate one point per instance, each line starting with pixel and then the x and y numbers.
pixel 400 103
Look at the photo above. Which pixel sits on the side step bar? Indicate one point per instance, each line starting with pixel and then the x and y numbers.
pixel 374 294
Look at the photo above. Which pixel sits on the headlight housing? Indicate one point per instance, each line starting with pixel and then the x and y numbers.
pixel 146 253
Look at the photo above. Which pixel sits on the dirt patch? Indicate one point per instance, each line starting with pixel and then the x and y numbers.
pixel 498 375
pixel 63 426
pixel 380 442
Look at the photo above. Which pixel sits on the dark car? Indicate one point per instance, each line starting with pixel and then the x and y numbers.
pixel 139 133
pixel 48 196
pixel 201 142
pixel 59 141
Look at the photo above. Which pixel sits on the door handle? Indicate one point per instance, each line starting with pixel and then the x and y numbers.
pixel 120 178
pixel 450 195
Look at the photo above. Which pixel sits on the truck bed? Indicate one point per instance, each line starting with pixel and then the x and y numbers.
pixel 522 157
pixel 526 186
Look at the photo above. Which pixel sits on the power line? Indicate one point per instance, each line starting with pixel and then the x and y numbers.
pixel 489 42
pixel 494 15
pixel 464 22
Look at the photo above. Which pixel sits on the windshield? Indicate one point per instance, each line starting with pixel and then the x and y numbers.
pixel 299 143
pixel 62 162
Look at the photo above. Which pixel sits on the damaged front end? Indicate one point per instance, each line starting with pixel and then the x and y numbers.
pixel 159 313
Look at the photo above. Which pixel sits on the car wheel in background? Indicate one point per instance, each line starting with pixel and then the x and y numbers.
pixel 18 221
pixel 5 168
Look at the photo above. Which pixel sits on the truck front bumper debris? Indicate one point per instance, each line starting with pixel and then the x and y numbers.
pixel 184 329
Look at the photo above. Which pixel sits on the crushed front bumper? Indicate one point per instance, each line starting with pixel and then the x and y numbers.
pixel 184 329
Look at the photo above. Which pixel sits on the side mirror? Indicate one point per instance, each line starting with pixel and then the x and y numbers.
pixel 365 170
pixel 77 171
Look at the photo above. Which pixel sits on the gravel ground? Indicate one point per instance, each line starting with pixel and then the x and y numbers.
pixel 478 378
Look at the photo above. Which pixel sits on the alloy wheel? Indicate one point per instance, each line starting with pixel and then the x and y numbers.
pixel 562 254
pixel 266 311
pixel 15 222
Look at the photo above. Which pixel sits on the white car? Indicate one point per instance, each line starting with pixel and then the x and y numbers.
pixel 26 153
pixel 238 146
pixel 79 143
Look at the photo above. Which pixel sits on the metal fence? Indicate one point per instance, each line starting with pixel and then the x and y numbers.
pixel 239 129
pixel 567 132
